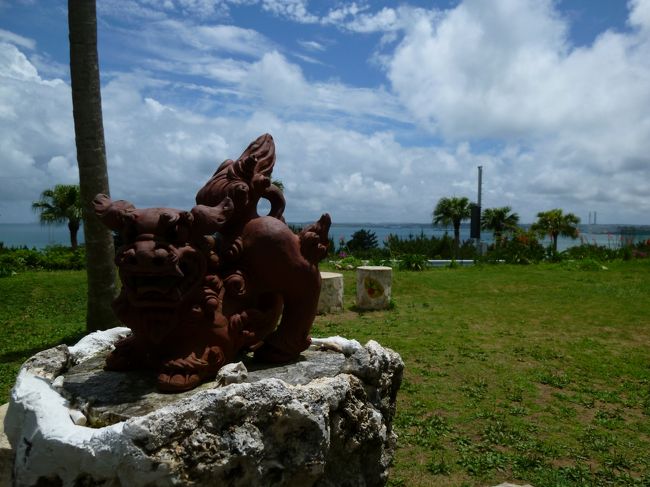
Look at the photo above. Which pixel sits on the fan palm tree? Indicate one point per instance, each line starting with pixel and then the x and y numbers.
pixel 91 159
pixel 452 211
pixel 60 205
pixel 499 220
pixel 555 222
pixel 279 184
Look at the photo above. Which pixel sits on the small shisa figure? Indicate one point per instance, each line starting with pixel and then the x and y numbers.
pixel 201 286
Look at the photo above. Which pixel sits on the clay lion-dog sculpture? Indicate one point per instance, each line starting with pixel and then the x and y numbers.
pixel 201 286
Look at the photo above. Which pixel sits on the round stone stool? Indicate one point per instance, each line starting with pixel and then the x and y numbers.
pixel 374 287
pixel 331 293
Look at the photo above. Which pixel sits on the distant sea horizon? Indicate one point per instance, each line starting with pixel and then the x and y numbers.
pixel 35 235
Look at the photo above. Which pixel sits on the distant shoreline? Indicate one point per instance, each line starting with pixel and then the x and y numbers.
pixel 40 236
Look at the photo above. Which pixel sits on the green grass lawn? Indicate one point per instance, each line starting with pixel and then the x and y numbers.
pixel 38 310
pixel 537 374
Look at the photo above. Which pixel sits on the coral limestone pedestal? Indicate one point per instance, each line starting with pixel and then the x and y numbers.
pixel 323 420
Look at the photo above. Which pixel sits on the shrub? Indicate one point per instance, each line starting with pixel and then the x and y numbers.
pixel 413 262
pixel 590 251
pixel 467 250
pixel 641 249
pixel 64 258
pixel 373 254
pixel 362 240
pixel 51 258
pixel 348 263
pixel 603 253
pixel 420 245
pixel 429 247
pixel 522 247
pixel 387 262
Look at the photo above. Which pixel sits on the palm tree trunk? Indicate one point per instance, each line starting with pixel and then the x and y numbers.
pixel 91 159
pixel 73 227
pixel 456 238
pixel 554 241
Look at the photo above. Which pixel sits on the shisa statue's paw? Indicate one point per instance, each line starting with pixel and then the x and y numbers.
pixel 181 374
pixel 186 373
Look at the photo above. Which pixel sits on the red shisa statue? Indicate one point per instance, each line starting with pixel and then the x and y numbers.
pixel 201 286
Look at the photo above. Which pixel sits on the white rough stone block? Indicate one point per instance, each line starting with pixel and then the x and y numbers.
pixel 331 293
pixel 374 287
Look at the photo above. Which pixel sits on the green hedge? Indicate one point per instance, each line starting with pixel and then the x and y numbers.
pixel 19 259
pixel 429 247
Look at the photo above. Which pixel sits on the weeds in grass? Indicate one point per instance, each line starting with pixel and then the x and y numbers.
pixel 609 419
pixel 439 466
pixel 515 394
pixel 553 378
pixel 500 432
pixel 479 461
pixel 517 411
pixel 645 405
pixel 476 390
pixel 396 482
pixel 597 441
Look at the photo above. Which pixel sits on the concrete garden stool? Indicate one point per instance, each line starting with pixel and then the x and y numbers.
pixel 374 287
pixel 331 293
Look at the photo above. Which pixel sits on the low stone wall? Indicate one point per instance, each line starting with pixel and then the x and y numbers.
pixel 325 420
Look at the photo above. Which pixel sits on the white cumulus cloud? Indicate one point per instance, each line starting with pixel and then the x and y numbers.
pixel 506 71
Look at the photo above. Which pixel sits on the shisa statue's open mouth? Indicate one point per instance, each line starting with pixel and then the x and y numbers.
pixel 156 288
pixel 160 276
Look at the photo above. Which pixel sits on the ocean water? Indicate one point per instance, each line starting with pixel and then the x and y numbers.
pixel 35 235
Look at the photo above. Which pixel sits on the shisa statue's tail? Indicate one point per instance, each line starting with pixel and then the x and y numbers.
pixel 314 240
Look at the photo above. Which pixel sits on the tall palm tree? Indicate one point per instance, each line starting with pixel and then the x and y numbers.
pixel 91 159
pixel 61 204
pixel 499 220
pixel 555 222
pixel 452 211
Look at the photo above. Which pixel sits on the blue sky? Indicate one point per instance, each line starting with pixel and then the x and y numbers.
pixel 378 109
